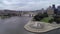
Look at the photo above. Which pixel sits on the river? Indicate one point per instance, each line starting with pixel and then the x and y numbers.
pixel 15 25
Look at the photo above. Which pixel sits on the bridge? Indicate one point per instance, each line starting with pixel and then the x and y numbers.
pixel 29 14
pixel 16 13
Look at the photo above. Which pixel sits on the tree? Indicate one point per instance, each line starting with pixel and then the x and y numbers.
pixel 50 21
pixel 37 18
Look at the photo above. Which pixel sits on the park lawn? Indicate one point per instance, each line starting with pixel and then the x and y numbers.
pixel 46 19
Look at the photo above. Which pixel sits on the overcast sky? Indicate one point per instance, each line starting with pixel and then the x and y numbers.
pixel 26 4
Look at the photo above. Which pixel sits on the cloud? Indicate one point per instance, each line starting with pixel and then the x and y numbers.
pixel 26 4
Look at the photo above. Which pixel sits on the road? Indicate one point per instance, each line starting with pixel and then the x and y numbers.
pixel 15 25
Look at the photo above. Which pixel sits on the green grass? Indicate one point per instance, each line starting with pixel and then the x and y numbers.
pixel 46 19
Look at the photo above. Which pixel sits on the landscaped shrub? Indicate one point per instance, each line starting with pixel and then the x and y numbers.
pixel 57 20
pixel 50 21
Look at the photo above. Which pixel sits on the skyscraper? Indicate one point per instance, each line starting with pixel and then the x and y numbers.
pixel 50 11
pixel 58 8
pixel 53 6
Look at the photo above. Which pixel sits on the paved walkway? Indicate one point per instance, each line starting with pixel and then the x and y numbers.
pixel 46 27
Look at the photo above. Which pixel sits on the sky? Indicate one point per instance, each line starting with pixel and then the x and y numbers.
pixel 27 4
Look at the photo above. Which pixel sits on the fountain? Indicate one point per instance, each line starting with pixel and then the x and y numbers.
pixel 36 26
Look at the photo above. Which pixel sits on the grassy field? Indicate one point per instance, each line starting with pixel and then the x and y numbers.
pixel 46 19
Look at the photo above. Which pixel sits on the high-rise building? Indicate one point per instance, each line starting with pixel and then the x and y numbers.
pixel 42 10
pixel 58 8
pixel 50 11
pixel 53 6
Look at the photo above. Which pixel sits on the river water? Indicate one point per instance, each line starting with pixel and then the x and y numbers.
pixel 15 25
